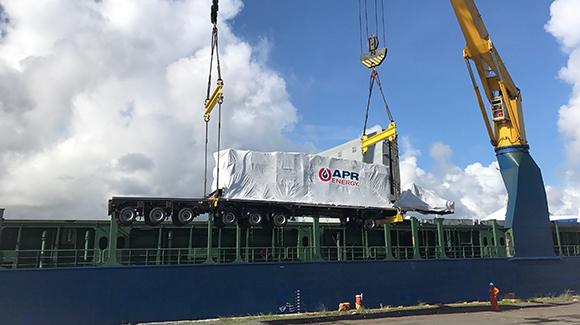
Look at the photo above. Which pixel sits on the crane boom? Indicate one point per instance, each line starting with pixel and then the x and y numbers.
pixel 500 89
pixel 527 214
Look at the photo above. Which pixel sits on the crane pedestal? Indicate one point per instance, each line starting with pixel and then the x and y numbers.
pixel 527 211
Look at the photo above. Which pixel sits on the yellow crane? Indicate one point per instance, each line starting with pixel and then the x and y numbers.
pixel 527 214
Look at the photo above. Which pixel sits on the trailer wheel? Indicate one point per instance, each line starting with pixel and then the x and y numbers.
pixel 126 216
pixel 184 216
pixel 279 219
pixel 370 224
pixel 155 216
pixel 228 218
pixel 254 219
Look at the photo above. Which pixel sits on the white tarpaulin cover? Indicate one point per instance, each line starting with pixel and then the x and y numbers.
pixel 416 198
pixel 301 178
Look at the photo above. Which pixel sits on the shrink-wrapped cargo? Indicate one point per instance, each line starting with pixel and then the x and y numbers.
pixel 301 178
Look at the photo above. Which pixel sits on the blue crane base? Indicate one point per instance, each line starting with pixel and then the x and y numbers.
pixel 527 210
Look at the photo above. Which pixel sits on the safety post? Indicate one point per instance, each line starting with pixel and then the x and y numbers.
pixel 388 245
pixel 209 259
pixel 440 238
pixel 415 233
pixel 113 234
pixel 238 244
pixel 316 238
pixel 496 236
pixel 557 230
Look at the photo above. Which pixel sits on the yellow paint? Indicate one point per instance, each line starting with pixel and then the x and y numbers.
pixel 389 133
pixel 481 51
pixel 373 62
pixel 393 219
pixel 213 100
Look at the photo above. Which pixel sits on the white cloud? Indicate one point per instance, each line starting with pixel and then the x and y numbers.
pixel 565 27
pixel 440 151
pixel 564 24
pixel 476 190
pixel 376 128
pixel 563 201
pixel 106 98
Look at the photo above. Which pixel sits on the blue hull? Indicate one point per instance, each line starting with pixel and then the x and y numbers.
pixel 120 295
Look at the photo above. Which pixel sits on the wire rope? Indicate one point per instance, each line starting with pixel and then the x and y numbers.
pixel 376 18
pixel 214 49
pixel 366 19
pixel 383 14
pixel 360 27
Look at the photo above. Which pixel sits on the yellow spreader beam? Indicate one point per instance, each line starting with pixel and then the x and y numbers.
pixel 389 133
pixel 213 100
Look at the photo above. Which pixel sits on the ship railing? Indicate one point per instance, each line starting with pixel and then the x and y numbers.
pixel 403 252
pixel 474 251
pixel 277 254
pixel 408 252
pixel 492 251
pixel 159 256
pixel 164 256
pixel 44 258
pixel 350 253
pixel 570 250
pixel 353 253
pixel 464 251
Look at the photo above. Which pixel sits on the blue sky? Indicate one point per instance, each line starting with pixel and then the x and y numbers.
pixel 105 98
pixel 315 46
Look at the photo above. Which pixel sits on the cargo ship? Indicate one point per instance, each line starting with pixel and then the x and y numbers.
pixel 136 267
pixel 97 272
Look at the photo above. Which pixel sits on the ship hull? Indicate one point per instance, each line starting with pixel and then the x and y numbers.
pixel 121 295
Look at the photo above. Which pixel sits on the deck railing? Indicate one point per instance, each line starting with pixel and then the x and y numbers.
pixel 171 256
pixel 51 258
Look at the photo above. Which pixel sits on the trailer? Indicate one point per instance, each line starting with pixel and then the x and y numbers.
pixel 246 213
pixel 269 188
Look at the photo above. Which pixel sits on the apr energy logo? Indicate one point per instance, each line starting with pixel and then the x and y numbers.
pixel 324 174
pixel 338 176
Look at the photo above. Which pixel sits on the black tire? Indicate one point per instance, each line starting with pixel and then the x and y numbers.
pixel 155 216
pixel 229 217
pixel 184 216
pixel 370 224
pixel 255 219
pixel 126 216
pixel 279 219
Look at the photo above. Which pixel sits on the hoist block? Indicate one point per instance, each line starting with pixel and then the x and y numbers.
pixel 374 58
